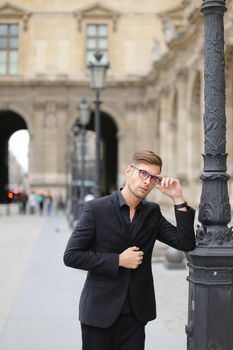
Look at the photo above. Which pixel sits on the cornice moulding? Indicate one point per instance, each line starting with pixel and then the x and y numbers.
pixel 4 82
pixel 96 11
pixel 10 11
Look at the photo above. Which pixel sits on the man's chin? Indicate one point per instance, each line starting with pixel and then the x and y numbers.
pixel 141 195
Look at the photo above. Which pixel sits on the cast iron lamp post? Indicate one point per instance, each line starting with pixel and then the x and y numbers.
pixel 84 118
pixel 74 168
pixel 98 76
pixel 210 315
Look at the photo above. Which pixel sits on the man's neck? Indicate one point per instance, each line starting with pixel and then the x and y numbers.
pixel 131 200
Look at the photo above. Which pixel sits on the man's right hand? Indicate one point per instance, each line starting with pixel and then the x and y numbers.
pixel 131 258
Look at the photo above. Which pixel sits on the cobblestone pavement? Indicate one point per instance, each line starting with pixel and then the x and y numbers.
pixel 39 295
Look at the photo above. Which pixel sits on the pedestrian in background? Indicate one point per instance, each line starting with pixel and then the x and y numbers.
pixel 49 204
pixel 23 198
pixel 60 204
pixel 113 241
pixel 32 203
pixel 40 200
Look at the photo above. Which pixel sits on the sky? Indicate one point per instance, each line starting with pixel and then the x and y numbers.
pixel 18 144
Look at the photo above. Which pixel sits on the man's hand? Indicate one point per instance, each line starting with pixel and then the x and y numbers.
pixel 131 258
pixel 172 188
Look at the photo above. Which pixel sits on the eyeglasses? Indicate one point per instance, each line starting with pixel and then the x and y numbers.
pixel 154 180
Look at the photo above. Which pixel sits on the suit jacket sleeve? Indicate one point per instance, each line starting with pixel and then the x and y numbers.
pixel 181 237
pixel 78 253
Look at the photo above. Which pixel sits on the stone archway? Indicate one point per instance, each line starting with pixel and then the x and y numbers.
pixel 10 122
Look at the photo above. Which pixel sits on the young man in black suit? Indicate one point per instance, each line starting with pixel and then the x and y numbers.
pixel 113 241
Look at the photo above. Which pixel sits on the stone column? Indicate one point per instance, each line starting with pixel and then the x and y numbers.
pixel 48 146
pixel 147 125
pixel 182 123
pixel 127 139
pixel 165 145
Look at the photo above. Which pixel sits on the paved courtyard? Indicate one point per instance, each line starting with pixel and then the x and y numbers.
pixel 39 295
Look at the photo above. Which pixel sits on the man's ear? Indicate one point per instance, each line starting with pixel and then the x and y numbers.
pixel 128 170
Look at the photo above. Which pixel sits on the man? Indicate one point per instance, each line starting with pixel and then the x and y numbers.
pixel 113 241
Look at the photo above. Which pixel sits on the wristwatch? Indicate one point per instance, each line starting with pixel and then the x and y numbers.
pixel 182 205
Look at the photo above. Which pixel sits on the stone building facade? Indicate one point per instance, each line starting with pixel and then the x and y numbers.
pixel 17 175
pixel 154 93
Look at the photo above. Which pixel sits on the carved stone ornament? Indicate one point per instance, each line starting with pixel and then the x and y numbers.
pixel 131 106
pixel 164 91
pixel 156 50
pixel 182 74
pixel 173 21
pixel 62 105
pixel 96 11
pixel 39 105
pixel 10 11
pixel 151 103
pixel 50 121
pixel 50 107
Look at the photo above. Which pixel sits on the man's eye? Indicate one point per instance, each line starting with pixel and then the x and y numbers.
pixel 155 179
pixel 144 173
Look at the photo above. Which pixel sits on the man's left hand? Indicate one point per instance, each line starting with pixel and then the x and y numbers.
pixel 172 188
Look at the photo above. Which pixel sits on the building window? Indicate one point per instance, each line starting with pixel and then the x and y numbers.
pixel 97 40
pixel 9 42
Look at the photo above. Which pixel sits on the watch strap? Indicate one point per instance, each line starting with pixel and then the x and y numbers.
pixel 181 205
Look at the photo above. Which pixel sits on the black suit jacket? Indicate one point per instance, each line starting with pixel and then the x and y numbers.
pixel 95 245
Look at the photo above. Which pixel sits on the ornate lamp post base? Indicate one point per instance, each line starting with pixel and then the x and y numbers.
pixel 210 299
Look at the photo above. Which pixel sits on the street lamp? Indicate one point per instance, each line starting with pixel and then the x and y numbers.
pixel 98 75
pixel 210 320
pixel 84 118
pixel 74 171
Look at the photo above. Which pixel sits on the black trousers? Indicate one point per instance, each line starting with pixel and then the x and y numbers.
pixel 127 333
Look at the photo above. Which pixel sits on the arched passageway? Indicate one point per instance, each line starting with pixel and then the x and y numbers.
pixel 9 123
pixel 109 157
pixel 109 152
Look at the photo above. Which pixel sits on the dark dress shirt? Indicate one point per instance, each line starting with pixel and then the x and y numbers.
pixel 129 229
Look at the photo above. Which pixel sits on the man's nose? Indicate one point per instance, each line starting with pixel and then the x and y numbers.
pixel 147 181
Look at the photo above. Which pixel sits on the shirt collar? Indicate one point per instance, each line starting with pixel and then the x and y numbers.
pixel 122 201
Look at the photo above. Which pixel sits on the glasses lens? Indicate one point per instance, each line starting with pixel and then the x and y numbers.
pixel 154 180
pixel 144 174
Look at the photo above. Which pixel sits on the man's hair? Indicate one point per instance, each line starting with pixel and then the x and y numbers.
pixel 147 157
